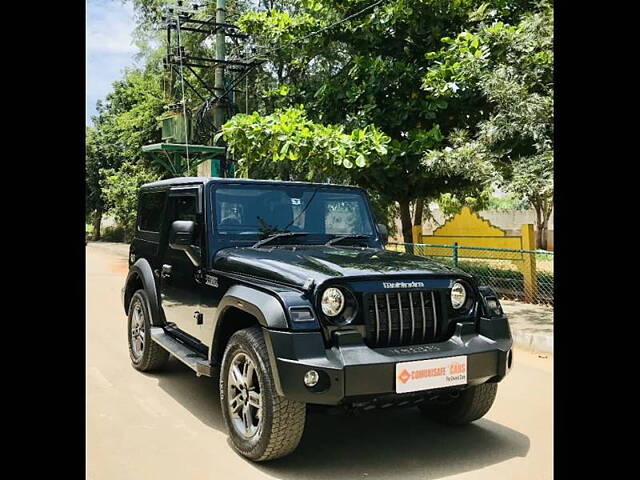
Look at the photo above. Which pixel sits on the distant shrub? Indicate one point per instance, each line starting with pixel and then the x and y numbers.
pixel 113 234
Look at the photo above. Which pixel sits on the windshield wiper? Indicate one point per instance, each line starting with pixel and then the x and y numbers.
pixel 344 237
pixel 275 236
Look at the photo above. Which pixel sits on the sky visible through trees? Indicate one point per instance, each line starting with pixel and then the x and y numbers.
pixel 415 100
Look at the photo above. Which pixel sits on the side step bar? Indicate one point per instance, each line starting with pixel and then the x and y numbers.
pixel 193 360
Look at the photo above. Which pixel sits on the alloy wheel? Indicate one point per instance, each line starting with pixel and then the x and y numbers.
pixel 244 396
pixel 137 331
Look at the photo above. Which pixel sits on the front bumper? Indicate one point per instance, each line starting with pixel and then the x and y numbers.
pixel 352 371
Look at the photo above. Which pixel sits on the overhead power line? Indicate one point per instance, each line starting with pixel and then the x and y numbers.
pixel 324 29
pixel 317 32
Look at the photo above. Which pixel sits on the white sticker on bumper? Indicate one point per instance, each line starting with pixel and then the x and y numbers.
pixel 429 374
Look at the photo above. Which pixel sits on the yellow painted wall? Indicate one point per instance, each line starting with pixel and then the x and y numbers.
pixel 466 223
pixel 470 230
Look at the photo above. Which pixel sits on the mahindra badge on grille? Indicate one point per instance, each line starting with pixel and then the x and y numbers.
pixel 403 284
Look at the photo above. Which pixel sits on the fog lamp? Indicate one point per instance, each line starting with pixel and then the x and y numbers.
pixel 311 378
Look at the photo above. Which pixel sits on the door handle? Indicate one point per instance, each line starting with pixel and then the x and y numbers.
pixel 166 271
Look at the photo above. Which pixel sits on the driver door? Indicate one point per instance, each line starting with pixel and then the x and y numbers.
pixel 179 285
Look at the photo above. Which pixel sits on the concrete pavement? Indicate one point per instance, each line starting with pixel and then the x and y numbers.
pixel 168 425
pixel 531 325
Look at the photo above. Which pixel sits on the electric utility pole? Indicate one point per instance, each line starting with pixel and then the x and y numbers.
pixel 188 133
pixel 220 109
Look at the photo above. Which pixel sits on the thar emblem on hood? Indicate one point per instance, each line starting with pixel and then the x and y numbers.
pixel 403 284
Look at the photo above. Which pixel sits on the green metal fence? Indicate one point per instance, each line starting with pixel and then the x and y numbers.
pixel 522 275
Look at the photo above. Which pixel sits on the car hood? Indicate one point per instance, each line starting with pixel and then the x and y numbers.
pixel 294 265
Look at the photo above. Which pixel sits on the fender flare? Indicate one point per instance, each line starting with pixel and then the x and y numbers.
pixel 142 269
pixel 264 307
pixel 268 309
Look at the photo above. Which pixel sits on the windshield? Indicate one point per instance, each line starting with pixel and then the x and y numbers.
pixel 258 211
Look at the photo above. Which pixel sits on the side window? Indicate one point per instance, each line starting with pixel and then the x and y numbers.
pixel 185 208
pixel 150 212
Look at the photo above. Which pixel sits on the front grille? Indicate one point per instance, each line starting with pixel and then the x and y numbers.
pixel 402 318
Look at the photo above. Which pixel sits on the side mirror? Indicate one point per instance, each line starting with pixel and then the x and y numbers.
pixel 384 233
pixel 181 238
pixel 181 234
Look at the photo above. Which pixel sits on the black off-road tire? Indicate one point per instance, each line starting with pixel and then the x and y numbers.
pixel 472 404
pixel 154 357
pixel 282 420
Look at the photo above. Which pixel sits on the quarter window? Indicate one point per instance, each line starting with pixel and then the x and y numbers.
pixel 150 213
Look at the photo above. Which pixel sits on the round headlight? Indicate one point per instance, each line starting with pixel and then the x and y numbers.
pixel 332 302
pixel 458 295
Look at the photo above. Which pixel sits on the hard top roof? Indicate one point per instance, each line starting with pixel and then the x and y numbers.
pixel 204 180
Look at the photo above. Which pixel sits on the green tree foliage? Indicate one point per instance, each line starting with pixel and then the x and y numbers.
pixel 369 71
pixel 128 117
pixel 411 100
pixel 511 68
pixel 94 162
pixel 120 189
pixel 451 204
pixel 287 145
pixel 126 120
pixel 291 74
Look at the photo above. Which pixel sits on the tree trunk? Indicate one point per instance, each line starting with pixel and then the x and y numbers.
pixel 405 218
pixel 543 212
pixel 541 241
pixel 97 221
pixel 548 208
pixel 417 214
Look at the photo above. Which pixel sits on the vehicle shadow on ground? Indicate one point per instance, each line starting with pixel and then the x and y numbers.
pixel 375 445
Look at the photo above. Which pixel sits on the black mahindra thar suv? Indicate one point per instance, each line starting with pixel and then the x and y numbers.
pixel 285 291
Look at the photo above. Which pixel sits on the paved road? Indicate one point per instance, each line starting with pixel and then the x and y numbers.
pixel 168 425
pixel 531 325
